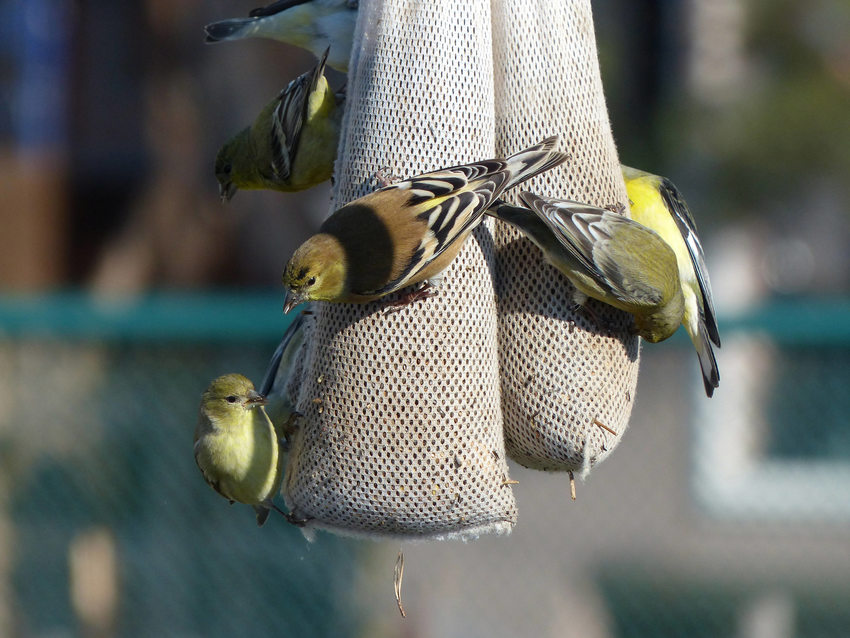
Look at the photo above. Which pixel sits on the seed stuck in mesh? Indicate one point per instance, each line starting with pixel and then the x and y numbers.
pixel 599 423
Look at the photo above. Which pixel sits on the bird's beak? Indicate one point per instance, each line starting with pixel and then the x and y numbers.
pixel 292 299
pixel 255 399
pixel 226 191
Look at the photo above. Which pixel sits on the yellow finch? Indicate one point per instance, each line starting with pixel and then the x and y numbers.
pixel 405 233
pixel 606 256
pixel 279 405
pixel 657 204
pixel 236 445
pixel 291 145
pixel 314 25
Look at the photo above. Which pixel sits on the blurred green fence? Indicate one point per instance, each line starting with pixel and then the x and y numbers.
pixel 100 399
pixel 106 528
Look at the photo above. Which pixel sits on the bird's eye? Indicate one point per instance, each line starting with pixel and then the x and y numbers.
pixel 232 399
pixel 311 281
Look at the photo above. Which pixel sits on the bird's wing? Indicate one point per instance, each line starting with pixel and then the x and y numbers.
pixel 414 225
pixel 276 7
pixel 212 482
pixel 450 202
pixel 571 223
pixel 283 5
pixel 590 236
pixel 681 214
pixel 272 370
pixel 289 116
pixel 639 266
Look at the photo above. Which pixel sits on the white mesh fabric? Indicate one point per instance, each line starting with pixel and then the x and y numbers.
pixel 563 374
pixel 402 429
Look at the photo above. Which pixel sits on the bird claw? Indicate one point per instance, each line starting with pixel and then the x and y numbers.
pixel 289 428
pixel 419 294
pixel 385 177
pixel 292 422
pixel 584 309
pixel 588 312
pixel 291 517
pixel 617 207
pixel 296 520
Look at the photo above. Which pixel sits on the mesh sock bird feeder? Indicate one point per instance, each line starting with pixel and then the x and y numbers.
pixel 402 433
pixel 568 376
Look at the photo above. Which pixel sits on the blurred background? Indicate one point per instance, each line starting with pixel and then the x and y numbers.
pixel 127 285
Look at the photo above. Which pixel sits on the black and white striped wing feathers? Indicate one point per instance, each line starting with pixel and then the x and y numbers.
pixel 451 202
pixel 687 227
pixel 588 234
pixel 289 117
pixel 576 239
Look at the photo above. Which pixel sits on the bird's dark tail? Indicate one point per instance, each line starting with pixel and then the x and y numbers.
pixel 707 362
pixel 534 160
pixel 227 29
pixel 262 514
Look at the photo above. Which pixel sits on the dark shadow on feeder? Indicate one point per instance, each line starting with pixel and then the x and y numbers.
pixel 484 238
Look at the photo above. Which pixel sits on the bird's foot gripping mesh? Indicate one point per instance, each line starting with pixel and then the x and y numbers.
pixel 408 416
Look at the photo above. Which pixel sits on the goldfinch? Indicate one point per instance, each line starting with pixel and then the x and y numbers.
pixel 279 405
pixel 607 257
pixel 236 445
pixel 656 203
pixel 314 25
pixel 405 233
pixel 291 145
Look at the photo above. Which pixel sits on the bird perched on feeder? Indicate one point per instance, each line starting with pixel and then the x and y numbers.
pixel 237 447
pixel 292 143
pixel 607 257
pixel 406 233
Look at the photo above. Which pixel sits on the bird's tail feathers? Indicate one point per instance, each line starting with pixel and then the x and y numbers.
pixel 262 514
pixel 514 215
pixel 275 7
pixel 319 71
pixel 707 362
pixel 534 160
pixel 232 29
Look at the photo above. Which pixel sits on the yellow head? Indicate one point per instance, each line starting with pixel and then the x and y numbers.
pixel 229 397
pixel 316 272
pixel 661 325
